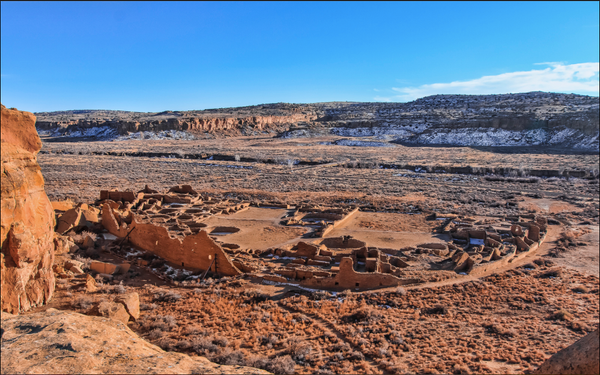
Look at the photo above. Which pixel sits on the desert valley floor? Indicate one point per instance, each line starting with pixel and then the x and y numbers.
pixel 335 259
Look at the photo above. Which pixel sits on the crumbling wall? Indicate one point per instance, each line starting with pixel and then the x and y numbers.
pixel 197 251
pixel 348 278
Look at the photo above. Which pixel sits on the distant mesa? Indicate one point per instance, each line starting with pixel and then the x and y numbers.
pixel 525 119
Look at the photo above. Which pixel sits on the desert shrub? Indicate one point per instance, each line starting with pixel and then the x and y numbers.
pixel 550 273
pixel 255 296
pixel 437 309
pixel 498 329
pixel 561 315
pixel 461 369
pixel 162 323
pixel 357 356
pixel 119 289
pixel 257 361
pixel 363 314
pixel 320 295
pixel 166 296
pixel 345 294
pixel 299 349
pixel 146 306
pixel 166 344
pixel 381 352
pixel 156 334
pixel 203 345
pixel 84 302
pixel 226 356
pixel 578 326
pixel 395 338
pixel 183 344
pixel 170 320
pixel 400 291
pixel 301 318
pixel 282 365
pixel 220 341
pixel 86 262
pixel 580 289
pixel 539 262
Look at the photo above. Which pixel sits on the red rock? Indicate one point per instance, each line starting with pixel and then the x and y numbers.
pixel 131 301
pixel 90 284
pixel 101 267
pixel 62 244
pixel 27 217
pixel 114 311
pixel 68 220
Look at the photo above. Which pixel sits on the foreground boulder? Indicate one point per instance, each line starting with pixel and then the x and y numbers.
pixel 55 341
pixel 582 357
pixel 27 224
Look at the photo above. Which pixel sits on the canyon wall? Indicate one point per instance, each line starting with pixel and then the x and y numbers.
pixel 27 224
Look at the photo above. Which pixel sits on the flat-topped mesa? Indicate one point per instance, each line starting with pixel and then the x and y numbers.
pixel 27 229
pixel 188 123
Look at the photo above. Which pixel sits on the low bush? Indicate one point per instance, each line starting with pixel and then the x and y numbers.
pixel 282 365
pixel 166 296
pixel 561 315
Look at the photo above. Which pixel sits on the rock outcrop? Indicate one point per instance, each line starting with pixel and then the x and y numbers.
pixel 27 225
pixel 55 341
pixel 582 357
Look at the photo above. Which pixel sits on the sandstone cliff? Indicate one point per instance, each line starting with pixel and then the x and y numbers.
pixel 55 341
pixel 232 121
pixel 27 224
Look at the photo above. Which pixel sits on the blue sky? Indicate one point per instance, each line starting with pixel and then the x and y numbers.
pixel 154 56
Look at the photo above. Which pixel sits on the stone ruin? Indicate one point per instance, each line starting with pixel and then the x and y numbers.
pixel 323 220
pixel 172 226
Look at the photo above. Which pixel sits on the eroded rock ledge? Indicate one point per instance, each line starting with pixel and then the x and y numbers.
pixel 55 341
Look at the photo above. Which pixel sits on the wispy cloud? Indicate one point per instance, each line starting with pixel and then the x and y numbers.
pixel 557 77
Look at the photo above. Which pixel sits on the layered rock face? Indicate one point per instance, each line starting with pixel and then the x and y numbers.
pixel 232 120
pixel 27 225
pixel 80 344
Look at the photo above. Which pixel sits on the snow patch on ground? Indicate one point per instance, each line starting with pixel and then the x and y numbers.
pixel 354 143
pixel 109 133
pixel 155 136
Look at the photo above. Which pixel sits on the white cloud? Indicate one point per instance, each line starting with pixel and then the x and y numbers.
pixel 557 77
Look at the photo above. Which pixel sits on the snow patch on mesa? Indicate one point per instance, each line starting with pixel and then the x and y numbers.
pixel 355 143
pixel 500 137
pixel 100 132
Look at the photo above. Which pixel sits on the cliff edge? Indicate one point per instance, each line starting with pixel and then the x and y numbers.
pixel 27 224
